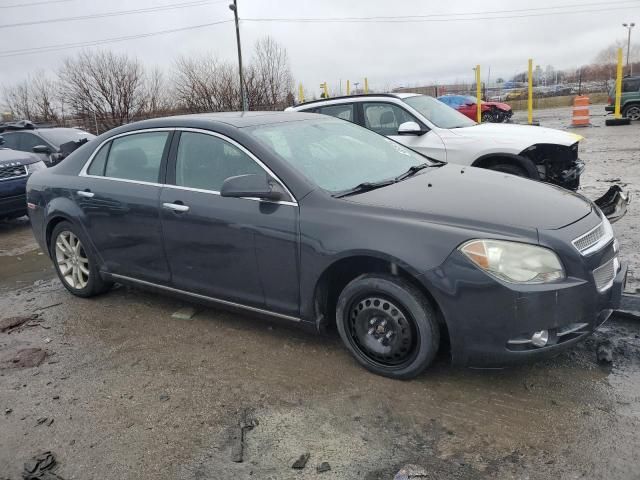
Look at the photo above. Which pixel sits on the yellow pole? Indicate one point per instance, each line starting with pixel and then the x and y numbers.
pixel 326 90
pixel 478 95
pixel 366 85
pixel 530 99
pixel 616 113
pixel 348 88
pixel 301 94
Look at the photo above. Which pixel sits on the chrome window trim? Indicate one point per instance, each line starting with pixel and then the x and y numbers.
pixel 85 168
pixel 205 297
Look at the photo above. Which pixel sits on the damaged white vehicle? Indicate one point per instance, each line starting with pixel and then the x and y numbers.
pixel 434 129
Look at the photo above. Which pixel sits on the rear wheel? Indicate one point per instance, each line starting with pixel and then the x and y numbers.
pixel 632 112
pixel 487 117
pixel 388 325
pixel 75 264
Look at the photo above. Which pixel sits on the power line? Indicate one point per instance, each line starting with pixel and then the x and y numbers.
pixel 18 5
pixel 172 6
pixel 52 48
pixel 430 18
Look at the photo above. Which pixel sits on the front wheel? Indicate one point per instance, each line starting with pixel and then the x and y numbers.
pixel 487 117
pixel 632 112
pixel 75 264
pixel 388 325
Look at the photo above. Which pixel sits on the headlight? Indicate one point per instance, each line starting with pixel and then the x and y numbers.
pixel 514 262
pixel 34 167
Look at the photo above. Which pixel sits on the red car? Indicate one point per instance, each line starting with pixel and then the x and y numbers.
pixel 495 112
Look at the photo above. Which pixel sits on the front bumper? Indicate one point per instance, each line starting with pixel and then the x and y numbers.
pixel 609 108
pixel 13 205
pixel 482 315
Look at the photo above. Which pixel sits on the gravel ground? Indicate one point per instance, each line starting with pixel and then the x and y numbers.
pixel 126 391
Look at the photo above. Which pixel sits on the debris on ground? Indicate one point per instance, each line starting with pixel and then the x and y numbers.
pixel 185 313
pixel 11 323
pixel 323 467
pixel 244 425
pixel 164 397
pixel 41 467
pixel 44 421
pixel 604 352
pixel 24 358
pixel 410 472
pixel 301 462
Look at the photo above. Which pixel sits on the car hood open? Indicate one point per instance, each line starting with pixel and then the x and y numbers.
pixel 522 135
pixel 468 195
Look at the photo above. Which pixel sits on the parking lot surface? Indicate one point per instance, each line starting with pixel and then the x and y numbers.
pixel 127 391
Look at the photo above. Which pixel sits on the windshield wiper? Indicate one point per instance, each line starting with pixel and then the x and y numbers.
pixel 412 171
pixel 363 187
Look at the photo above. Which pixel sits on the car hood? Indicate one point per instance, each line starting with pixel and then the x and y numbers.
pixel 522 135
pixel 10 157
pixel 470 196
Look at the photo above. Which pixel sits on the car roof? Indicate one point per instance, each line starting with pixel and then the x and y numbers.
pixel 359 97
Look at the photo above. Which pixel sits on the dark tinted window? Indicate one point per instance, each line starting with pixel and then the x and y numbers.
pixel 10 140
pixel 631 85
pixel 385 118
pixel 99 161
pixel 137 157
pixel 29 140
pixel 344 112
pixel 205 162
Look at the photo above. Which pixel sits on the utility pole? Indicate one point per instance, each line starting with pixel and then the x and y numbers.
pixel 629 26
pixel 234 7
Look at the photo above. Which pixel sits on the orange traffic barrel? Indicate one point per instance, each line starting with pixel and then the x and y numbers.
pixel 580 112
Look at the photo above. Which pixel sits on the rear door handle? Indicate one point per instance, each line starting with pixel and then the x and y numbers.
pixel 176 207
pixel 85 193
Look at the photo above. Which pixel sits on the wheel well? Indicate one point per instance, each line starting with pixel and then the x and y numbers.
pixel 492 160
pixel 338 275
pixel 50 226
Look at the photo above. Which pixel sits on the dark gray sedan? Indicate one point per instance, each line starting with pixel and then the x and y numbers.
pixel 315 220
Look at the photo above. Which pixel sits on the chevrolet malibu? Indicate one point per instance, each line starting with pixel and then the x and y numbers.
pixel 317 221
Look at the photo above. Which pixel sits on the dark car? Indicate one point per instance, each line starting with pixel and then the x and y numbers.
pixel 15 168
pixel 51 144
pixel 318 221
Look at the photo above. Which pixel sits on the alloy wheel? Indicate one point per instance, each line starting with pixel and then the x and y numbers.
pixel 72 260
pixel 382 332
pixel 633 113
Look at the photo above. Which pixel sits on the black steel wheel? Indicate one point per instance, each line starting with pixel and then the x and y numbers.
pixel 388 325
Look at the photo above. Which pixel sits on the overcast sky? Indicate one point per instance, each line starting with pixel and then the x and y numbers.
pixel 389 54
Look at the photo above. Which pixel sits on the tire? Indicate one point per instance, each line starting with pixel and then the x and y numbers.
pixel 632 112
pixel 70 250
pixel 509 168
pixel 487 117
pixel 371 299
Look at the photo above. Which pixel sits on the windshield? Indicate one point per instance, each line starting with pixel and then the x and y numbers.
pixel 438 113
pixel 337 155
pixel 60 136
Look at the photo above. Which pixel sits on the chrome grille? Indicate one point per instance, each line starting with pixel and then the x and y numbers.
pixel 605 273
pixel 15 171
pixel 591 238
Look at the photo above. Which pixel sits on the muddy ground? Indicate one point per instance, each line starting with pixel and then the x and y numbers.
pixel 126 391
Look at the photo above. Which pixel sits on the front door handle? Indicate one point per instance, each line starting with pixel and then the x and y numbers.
pixel 85 193
pixel 176 207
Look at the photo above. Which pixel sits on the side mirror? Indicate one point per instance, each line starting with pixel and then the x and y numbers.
pixel 410 128
pixel 41 149
pixel 252 185
pixel 1 140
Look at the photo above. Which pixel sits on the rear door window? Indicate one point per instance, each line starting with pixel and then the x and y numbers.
pixel 343 111
pixel 135 157
pixel 631 85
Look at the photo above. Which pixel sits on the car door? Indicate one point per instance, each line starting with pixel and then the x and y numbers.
pixel 239 250
pixel 118 192
pixel 385 118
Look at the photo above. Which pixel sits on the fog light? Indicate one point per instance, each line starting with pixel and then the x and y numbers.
pixel 540 339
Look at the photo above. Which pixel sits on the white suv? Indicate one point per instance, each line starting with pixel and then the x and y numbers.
pixel 429 126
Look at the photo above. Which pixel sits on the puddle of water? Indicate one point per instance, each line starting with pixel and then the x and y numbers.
pixel 21 270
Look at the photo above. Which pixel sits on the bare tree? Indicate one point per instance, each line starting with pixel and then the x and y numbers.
pixel 270 75
pixel 206 84
pixel 34 99
pixel 159 96
pixel 104 86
